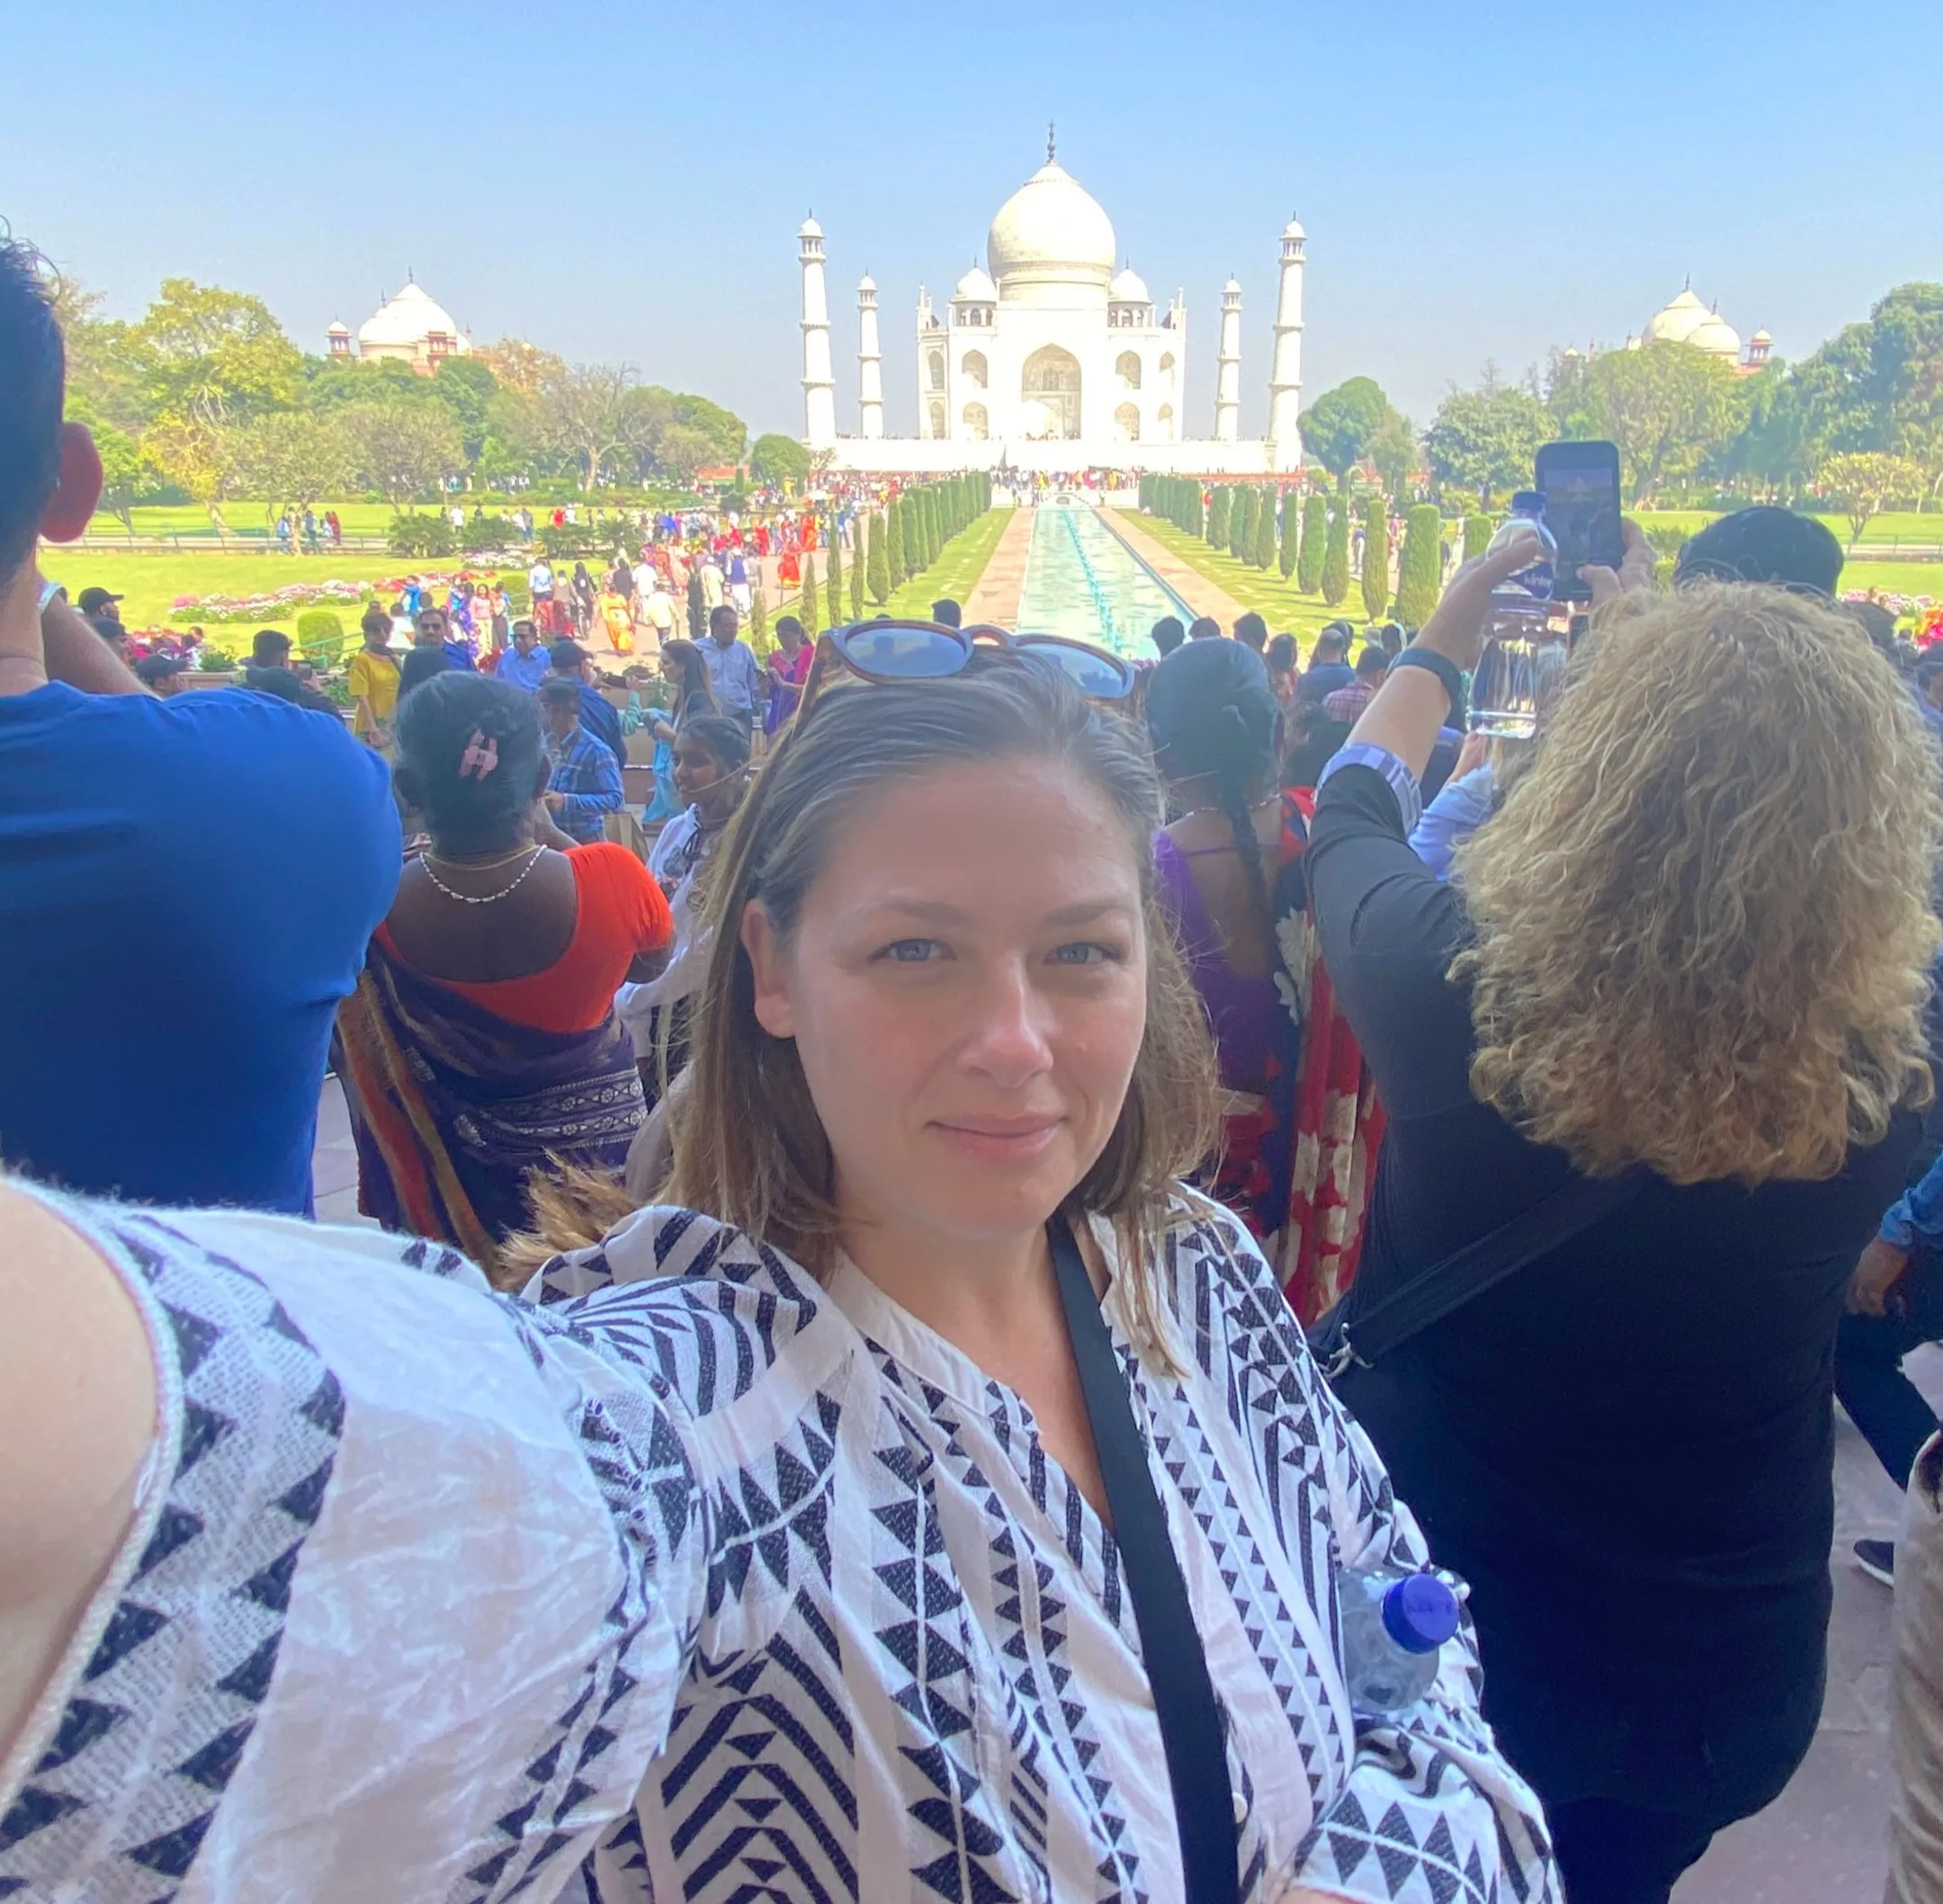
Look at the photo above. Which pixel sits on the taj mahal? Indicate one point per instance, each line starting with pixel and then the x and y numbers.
pixel 1049 357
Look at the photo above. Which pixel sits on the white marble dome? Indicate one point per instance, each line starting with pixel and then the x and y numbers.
pixel 1129 287
pixel 1050 236
pixel 975 287
pixel 1679 321
pixel 404 323
pixel 1716 336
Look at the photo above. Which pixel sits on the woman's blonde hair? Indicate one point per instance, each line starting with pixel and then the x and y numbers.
pixel 748 1146
pixel 1702 919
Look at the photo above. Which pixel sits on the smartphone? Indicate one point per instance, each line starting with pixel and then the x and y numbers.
pixel 1580 485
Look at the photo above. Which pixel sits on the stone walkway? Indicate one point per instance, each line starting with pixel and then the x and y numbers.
pixel 1190 585
pixel 1822 1841
pixel 995 596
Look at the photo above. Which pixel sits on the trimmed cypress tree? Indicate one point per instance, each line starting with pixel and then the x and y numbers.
pixel 806 604
pixel 1219 513
pixel 1241 524
pixel 1290 533
pixel 1196 511
pixel 1335 555
pixel 876 559
pixel 856 575
pixel 1477 533
pixel 1422 566
pixel 1315 540
pixel 928 522
pixel 758 625
pixel 1376 557
pixel 1263 553
pixel 833 585
pixel 894 543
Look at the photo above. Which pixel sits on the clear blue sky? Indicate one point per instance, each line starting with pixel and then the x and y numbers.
pixel 624 181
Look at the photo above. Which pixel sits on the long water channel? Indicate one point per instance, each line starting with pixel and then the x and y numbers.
pixel 1081 579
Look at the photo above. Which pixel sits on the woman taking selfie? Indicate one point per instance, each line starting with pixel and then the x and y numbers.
pixel 789 1549
pixel 1644 1107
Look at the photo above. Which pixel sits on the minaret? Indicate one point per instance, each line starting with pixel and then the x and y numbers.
pixel 1228 367
pixel 1284 376
pixel 819 387
pixel 869 362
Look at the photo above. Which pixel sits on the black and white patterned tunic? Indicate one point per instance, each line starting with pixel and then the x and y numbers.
pixel 699 1580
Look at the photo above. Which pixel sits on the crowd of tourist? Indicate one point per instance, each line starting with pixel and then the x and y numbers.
pixel 825 1407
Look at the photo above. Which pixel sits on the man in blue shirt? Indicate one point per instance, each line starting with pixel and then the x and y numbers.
pixel 186 886
pixel 735 675
pixel 598 715
pixel 1329 668
pixel 585 782
pixel 525 664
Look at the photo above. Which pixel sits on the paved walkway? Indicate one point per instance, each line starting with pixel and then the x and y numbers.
pixel 1203 596
pixel 995 596
pixel 1823 1840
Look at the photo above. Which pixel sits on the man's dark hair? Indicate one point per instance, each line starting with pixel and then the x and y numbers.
pixel 268 647
pixel 1251 632
pixel 1373 664
pixel 153 670
pixel 1763 544
pixel 33 377
pixel 559 693
pixel 1281 652
pixel 1332 642
pixel 1169 634
pixel 1206 629
pixel 437 724
pixel 948 612
pixel 722 615
pixel 107 628
pixel 1391 638
pixel 564 658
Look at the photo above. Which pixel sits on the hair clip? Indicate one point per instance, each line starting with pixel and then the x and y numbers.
pixel 481 755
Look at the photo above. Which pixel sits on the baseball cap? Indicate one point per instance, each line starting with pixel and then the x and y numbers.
pixel 93 600
pixel 152 670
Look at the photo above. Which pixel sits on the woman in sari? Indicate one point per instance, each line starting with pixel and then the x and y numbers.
pixel 1301 1123
pixel 480 1046
pixel 789 668
pixel 617 622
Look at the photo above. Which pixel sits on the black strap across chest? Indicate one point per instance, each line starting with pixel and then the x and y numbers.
pixel 1177 1667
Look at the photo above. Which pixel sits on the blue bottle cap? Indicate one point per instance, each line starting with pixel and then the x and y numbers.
pixel 1527 502
pixel 1420 1613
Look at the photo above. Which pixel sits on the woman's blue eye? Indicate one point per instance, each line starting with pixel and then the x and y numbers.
pixel 1081 953
pixel 910 952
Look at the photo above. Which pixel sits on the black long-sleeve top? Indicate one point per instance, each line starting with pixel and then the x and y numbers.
pixel 1627 1447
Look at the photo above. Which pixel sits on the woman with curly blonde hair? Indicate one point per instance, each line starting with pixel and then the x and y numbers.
pixel 1652 1063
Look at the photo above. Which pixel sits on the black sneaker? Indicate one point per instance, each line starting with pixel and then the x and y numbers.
pixel 1877 1559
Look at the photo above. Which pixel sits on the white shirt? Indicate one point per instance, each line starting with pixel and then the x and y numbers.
pixel 747 1585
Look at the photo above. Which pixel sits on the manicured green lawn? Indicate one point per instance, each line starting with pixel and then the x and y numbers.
pixel 1904 525
pixel 959 564
pixel 1284 606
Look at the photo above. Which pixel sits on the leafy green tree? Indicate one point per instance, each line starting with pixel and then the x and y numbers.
pixel 1396 456
pixel 1290 533
pixel 126 468
pixel 1421 572
pixel 293 457
pixel 876 558
pixel 1478 531
pixel 402 449
pixel 1263 554
pixel 1487 439
pixel 1668 408
pixel 894 543
pixel 1337 426
pixel 1221 512
pixel 1314 542
pixel 1375 557
pixel 778 460
pixel 1868 481
pixel 1197 511
pixel 927 541
pixel 833 582
pixel 212 356
pixel 467 388
pixel 1241 524
pixel 858 556
pixel 807 603
pixel 1336 556
pixel 683 452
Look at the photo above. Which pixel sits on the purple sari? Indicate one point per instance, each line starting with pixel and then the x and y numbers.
pixel 454 1108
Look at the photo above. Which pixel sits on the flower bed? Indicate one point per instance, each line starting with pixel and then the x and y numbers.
pixel 281 605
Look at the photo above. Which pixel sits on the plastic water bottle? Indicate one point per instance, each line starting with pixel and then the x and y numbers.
pixel 1393 1625
pixel 1521 653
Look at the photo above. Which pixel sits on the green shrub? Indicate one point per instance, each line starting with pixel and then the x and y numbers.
pixel 1421 571
pixel 421 535
pixel 896 556
pixel 833 581
pixel 1291 534
pixel 1478 531
pixel 806 604
pixel 1314 542
pixel 1220 511
pixel 1263 553
pixel 1336 556
pixel 484 534
pixel 1665 538
pixel 320 637
pixel 1241 525
pixel 1375 558
pixel 876 559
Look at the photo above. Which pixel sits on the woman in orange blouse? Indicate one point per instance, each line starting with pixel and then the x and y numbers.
pixel 482 1044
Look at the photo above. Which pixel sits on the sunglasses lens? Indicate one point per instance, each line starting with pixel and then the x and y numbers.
pixel 1099 677
pixel 892 653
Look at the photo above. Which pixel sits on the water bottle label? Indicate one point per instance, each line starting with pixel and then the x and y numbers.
pixel 1535 581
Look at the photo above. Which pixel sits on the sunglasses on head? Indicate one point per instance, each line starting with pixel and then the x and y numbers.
pixel 885 653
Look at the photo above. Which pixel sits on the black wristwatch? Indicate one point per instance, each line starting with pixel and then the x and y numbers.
pixel 1441 666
